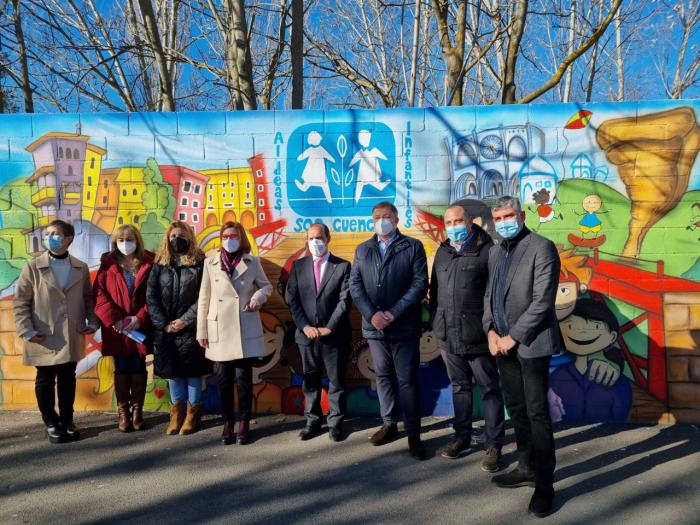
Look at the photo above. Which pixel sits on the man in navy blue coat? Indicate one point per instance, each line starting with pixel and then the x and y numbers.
pixel 388 282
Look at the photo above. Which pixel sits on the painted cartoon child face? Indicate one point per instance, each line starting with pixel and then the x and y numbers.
pixel 541 197
pixel 592 203
pixel 365 365
pixel 273 348
pixel 567 293
pixel 429 349
pixel 364 137
pixel 314 138
pixel 586 336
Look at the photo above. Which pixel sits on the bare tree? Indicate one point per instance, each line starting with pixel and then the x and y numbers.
pixel 166 101
pixel 509 91
pixel 297 54
pixel 680 74
pixel 24 81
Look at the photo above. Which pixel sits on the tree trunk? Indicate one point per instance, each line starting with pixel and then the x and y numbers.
pixel 453 55
pixel 240 50
pixel 167 99
pixel 619 59
pixel 566 95
pixel 414 55
pixel 22 52
pixel 509 89
pixel 297 54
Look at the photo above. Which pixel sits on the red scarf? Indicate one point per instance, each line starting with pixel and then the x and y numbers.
pixel 229 261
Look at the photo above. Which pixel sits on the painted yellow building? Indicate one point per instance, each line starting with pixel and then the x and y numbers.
pixel 230 196
pixel 107 200
pixel 91 177
pixel 131 188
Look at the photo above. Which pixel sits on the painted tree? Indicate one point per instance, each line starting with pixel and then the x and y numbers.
pixel 158 196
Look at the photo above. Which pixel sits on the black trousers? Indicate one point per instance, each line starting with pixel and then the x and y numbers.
pixel 228 373
pixel 48 380
pixel 396 363
pixel 525 384
pixel 313 359
pixel 484 369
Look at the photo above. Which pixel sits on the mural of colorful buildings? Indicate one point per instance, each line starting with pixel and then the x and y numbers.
pixel 615 186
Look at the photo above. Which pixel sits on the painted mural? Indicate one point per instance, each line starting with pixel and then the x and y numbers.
pixel 615 186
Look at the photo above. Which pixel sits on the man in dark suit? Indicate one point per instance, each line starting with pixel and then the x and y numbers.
pixel 388 281
pixel 319 300
pixel 521 326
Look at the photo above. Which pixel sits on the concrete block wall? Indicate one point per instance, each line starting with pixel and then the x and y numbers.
pixel 615 186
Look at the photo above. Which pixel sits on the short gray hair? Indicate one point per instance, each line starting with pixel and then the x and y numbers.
pixel 507 202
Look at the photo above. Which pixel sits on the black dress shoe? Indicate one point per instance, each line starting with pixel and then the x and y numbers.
pixel 335 434
pixel 385 434
pixel 514 478
pixel 72 432
pixel 541 501
pixel 55 434
pixel 416 448
pixel 309 432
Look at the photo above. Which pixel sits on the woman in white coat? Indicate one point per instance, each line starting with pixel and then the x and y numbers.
pixel 228 323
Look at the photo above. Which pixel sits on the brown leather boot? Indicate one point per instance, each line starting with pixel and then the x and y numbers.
pixel 138 394
pixel 242 436
pixel 194 416
pixel 177 416
pixel 122 389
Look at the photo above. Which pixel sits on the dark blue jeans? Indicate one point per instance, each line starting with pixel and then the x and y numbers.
pixel 484 369
pixel 396 365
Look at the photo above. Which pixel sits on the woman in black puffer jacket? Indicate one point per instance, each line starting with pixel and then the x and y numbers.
pixel 173 289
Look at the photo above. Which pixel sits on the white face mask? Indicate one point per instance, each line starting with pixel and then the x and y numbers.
pixel 383 227
pixel 126 247
pixel 317 247
pixel 231 245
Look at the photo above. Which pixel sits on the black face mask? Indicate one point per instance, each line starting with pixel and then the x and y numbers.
pixel 179 245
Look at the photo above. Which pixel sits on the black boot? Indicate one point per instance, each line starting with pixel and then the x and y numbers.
pixel 72 432
pixel 55 434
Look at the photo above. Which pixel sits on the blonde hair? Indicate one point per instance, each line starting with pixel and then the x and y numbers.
pixel 166 255
pixel 140 250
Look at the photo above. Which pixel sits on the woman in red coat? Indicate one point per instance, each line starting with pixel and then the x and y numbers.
pixel 120 305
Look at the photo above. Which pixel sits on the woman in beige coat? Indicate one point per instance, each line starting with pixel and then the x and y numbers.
pixel 228 323
pixel 53 313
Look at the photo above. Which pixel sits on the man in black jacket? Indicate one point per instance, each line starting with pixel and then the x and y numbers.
pixel 388 282
pixel 457 288
pixel 319 299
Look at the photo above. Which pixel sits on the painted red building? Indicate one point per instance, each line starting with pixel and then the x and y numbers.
pixel 189 190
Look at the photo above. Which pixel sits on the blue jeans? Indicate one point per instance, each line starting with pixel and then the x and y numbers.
pixel 186 388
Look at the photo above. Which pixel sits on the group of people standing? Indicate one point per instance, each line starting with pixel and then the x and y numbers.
pixel 491 309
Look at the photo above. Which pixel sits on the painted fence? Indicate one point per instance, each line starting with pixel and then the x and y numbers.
pixel 615 186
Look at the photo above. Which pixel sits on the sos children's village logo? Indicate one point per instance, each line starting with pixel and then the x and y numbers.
pixel 342 168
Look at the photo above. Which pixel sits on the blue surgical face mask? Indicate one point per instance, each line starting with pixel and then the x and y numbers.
pixel 53 243
pixel 508 229
pixel 457 234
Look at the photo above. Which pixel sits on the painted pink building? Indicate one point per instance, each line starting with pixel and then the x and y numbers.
pixel 189 189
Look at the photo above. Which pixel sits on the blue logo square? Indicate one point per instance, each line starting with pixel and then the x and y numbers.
pixel 343 169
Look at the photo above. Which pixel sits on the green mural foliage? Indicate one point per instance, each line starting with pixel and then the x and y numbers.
pixel 158 196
